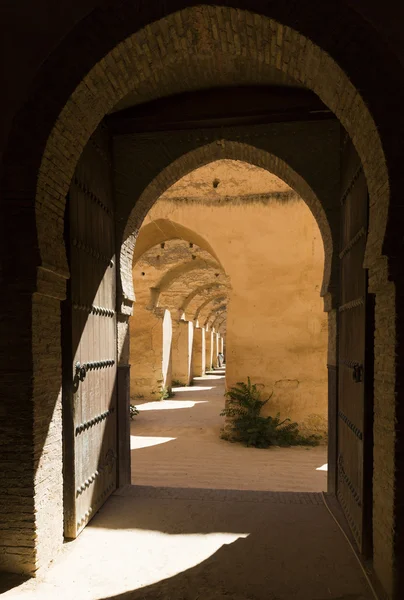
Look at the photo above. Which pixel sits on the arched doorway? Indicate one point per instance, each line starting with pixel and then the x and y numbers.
pixel 266 239
pixel 55 178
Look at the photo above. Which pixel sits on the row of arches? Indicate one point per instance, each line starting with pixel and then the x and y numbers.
pixel 141 56
pixel 176 282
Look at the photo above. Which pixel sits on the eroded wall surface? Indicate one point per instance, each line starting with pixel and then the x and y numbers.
pixel 270 247
pixel 163 277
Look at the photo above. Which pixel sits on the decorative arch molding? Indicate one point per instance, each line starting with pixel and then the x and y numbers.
pixel 164 230
pixel 205 154
pixel 213 314
pixel 216 298
pixel 221 325
pixel 178 271
pixel 200 291
pixel 222 329
pixel 101 68
pixel 217 322
pixel 203 41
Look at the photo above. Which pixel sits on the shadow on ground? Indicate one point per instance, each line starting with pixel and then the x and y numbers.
pixel 177 443
pixel 150 543
pixel 8 581
pixel 291 548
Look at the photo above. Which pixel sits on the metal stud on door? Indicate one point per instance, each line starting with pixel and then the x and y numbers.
pixel 355 396
pixel 89 330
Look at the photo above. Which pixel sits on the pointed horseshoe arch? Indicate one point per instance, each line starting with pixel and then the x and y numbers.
pixel 43 166
pixel 223 149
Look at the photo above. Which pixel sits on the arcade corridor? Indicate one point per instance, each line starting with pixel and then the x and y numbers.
pixel 110 107
pixel 176 443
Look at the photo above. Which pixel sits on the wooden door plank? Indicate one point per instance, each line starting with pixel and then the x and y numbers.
pixel 353 450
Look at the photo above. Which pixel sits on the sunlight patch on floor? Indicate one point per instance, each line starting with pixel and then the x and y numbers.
pixel 210 377
pixel 192 388
pixel 323 468
pixel 170 404
pixel 145 557
pixel 142 441
pixel 109 562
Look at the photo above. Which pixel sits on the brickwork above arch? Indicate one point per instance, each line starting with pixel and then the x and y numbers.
pixel 203 155
pixel 190 49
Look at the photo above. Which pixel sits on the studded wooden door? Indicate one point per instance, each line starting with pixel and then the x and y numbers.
pixel 355 397
pixel 89 330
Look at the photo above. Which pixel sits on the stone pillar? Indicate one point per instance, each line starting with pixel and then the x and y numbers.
pixel 31 481
pixel 167 351
pixel 223 347
pixel 150 351
pixel 182 352
pixel 216 348
pixel 199 352
pixel 221 344
pixel 209 349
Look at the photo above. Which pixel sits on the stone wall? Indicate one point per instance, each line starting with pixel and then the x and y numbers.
pixel 47 64
pixel 270 247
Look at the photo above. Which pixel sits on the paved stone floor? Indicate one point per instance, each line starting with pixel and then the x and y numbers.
pixel 176 443
pixel 172 536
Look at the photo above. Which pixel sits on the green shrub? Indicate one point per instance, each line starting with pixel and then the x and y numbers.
pixel 250 428
pixel 166 393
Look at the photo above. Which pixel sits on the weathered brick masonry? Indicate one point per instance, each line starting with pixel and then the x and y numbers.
pixel 304 155
pixel 82 80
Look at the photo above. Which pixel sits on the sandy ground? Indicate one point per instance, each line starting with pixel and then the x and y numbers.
pixel 172 536
pixel 176 443
pixel 189 544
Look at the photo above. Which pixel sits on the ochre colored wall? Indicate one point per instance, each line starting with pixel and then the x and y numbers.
pixel 31 33
pixel 157 350
pixel 273 254
pixel 199 352
pixel 183 333
pixel 148 339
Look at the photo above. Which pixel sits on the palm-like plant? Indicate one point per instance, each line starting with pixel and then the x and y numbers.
pixel 243 409
pixel 244 399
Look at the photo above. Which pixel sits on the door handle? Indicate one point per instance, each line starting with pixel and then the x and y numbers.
pixel 357 373
pixel 81 371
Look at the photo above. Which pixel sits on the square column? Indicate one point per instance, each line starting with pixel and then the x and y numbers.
pixel 199 352
pixel 216 348
pixel 150 351
pixel 182 352
pixel 209 349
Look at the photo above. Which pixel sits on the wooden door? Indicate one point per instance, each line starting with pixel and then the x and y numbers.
pixel 89 331
pixel 355 396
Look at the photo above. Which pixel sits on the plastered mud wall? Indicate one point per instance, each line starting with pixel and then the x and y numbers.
pixel 270 248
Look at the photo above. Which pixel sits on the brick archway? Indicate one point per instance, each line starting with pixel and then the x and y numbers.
pixel 178 271
pixel 214 288
pixel 212 299
pixel 238 151
pixel 255 45
pixel 162 230
pixel 213 59
pixel 223 149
